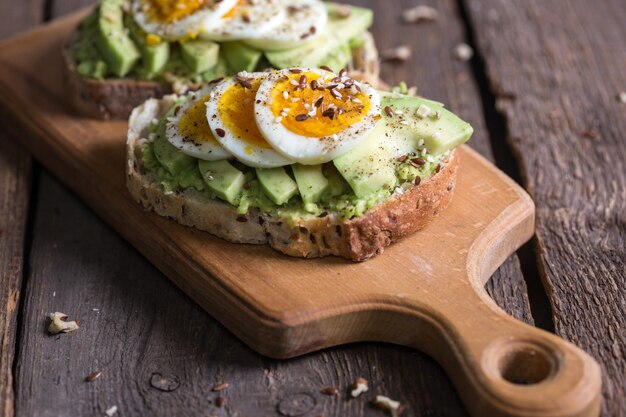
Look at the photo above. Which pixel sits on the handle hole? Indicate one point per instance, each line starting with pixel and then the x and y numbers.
pixel 526 364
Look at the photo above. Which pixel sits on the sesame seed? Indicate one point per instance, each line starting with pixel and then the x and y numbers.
pixel 420 13
pixel 278 119
pixel 464 52
pixel 293 82
pixel 302 117
pixel 422 111
pixel 319 101
pixel 220 132
pixel 400 53
pixel 389 111
pixel 285 95
pixel 325 68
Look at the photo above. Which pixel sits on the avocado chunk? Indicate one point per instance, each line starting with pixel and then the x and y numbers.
pixel 337 32
pixel 117 49
pixel 369 167
pixel 241 57
pixel 277 184
pixel 153 57
pixel 336 184
pixel 171 158
pixel 312 184
pixel 223 179
pixel 199 55
pixel 427 120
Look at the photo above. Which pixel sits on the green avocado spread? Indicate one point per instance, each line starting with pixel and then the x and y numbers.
pixel 111 45
pixel 400 153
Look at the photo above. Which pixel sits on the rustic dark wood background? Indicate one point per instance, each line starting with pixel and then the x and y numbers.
pixel 542 93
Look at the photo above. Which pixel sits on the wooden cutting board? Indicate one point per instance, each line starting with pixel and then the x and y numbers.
pixel 426 291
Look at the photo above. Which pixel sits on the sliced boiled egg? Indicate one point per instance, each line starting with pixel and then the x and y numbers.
pixel 230 113
pixel 189 131
pixel 179 19
pixel 248 19
pixel 312 116
pixel 305 20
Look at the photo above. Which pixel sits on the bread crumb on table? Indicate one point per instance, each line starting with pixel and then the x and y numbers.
pixel 59 323
pixel 359 387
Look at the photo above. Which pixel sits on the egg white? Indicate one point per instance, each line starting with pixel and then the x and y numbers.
pixel 311 150
pixel 211 12
pixel 305 20
pixel 252 18
pixel 246 152
pixel 208 151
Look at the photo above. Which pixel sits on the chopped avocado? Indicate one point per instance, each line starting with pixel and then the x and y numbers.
pixel 199 55
pixel 223 179
pixel 369 167
pixel 337 32
pixel 241 57
pixel 312 183
pixel 277 184
pixel 336 184
pixel 338 58
pixel 93 68
pixel 348 27
pixel 218 71
pixel 154 57
pixel 171 158
pixel 116 47
pixel 427 120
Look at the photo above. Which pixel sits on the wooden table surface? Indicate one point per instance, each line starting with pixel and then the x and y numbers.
pixel 542 92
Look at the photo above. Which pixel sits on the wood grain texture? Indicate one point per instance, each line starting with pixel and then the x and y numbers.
pixel 145 325
pixel 15 172
pixel 556 68
pixel 15 179
pixel 285 307
pixel 258 384
pixel 439 75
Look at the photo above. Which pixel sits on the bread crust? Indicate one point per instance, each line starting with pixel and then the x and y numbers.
pixel 116 98
pixel 356 239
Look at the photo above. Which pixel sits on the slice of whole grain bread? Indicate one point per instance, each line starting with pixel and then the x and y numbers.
pixel 356 239
pixel 115 98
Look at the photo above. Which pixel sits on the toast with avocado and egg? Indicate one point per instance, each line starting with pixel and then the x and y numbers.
pixel 127 51
pixel 311 162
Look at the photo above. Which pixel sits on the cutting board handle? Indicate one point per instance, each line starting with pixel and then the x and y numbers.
pixel 503 367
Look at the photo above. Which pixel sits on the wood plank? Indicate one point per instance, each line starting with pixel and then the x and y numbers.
pixel 202 352
pixel 146 325
pixel 63 7
pixel 439 75
pixel 556 68
pixel 15 174
pixel 15 179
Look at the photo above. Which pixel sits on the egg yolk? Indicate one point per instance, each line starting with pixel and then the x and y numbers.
pixel 236 110
pixel 193 124
pixel 334 114
pixel 170 10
